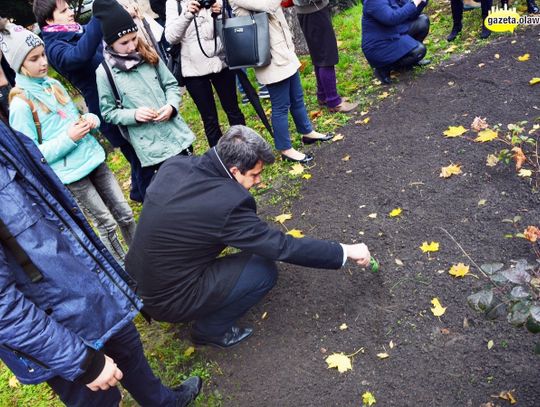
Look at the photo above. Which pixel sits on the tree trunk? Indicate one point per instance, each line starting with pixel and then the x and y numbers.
pixel 298 37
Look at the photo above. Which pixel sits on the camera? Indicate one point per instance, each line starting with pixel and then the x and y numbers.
pixel 206 3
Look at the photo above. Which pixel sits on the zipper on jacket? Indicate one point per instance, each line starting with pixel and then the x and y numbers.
pixel 22 356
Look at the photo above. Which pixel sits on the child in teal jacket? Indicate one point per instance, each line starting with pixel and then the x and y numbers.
pixel 41 108
pixel 149 93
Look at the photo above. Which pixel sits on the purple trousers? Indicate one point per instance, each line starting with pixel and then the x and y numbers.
pixel 326 86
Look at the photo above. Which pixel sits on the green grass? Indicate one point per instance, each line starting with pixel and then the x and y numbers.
pixel 355 80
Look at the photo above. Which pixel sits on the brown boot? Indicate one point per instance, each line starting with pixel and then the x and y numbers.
pixel 344 107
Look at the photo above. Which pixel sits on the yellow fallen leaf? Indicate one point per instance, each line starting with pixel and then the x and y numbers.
pixel 343 327
pixel 339 361
pixel 264 315
pixel 364 112
pixel 383 355
pixel 391 344
pixel 189 351
pixel 431 247
pixel 492 160
pixel 437 308
pixel 337 137
pixel 283 217
pixel 296 169
pixel 451 48
pixel 395 212
pixel 524 57
pixel 398 262
pixel 372 215
pixel 508 396
pixel 448 171
pixel 366 120
pixel 482 202
pixel 306 176
pixel 490 344
pixel 13 382
pixel 486 135
pixel 384 95
pixel 459 270
pixel 368 399
pixel 295 233
pixel 524 173
pixel 346 158
pixel 534 81
pixel 454 131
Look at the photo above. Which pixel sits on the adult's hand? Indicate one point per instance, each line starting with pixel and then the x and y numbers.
pixel 216 8
pixel 145 114
pixel 78 130
pixel 359 253
pixel 109 376
pixel 193 7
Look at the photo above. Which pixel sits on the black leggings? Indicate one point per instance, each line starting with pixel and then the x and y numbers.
pixel 457 10
pixel 419 30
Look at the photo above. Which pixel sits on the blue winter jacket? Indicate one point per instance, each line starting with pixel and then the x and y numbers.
pixel 76 56
pixel 385 24
pixel 49 328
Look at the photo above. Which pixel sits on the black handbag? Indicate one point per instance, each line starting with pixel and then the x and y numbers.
pixel 246 39
pixel 174 63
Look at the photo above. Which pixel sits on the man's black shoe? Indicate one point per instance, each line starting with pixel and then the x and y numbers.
pixel 188 391
pixel 232 337
pixel 456 29
pixel 382 75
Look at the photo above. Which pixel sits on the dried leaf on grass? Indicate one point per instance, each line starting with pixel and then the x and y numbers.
pixel 337 137
pixel 296 169
pixel 189 351
pixel 13 382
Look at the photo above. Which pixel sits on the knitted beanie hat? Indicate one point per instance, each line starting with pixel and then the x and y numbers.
pixel 115 20
pixel 16 42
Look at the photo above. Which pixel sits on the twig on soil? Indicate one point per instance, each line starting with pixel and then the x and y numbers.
pixel 355 353
pixel 465 253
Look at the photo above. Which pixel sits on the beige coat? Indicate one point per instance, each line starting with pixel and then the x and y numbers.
pixel 181 28
pixel 284 62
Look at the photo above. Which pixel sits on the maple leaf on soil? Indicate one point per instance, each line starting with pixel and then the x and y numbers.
pixel 283 217
pixel 295 233
pixel 492 160
pixel 519 156
pixel 296 169
pixel 486 135
pixel 479 124
pixel 531 233
pixel 448 171
pixel 339 361
pixel 431 247
pixel 454 131
pixel 524 173
pixel 524 57
pixel 437 308
pixel 534 81
pixel 368 399
pixel 459 270
pixel 395 212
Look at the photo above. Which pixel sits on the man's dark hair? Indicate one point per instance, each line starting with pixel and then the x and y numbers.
pixel 242 147
pixel 43 10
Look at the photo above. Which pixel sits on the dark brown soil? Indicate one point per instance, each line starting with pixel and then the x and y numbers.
pixel 395 162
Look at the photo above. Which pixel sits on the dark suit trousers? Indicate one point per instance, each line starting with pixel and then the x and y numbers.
pixel 257 278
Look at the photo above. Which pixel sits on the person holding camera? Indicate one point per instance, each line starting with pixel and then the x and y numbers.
pixel 203 62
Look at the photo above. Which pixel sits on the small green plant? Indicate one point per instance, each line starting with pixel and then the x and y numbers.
pixel 514 292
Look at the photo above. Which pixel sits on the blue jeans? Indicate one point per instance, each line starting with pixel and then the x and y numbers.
pixel 126 350
pixel 286 96
pixel 102 201
pixel 257 278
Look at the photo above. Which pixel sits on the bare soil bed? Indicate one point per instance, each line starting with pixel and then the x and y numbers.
pixel 395 161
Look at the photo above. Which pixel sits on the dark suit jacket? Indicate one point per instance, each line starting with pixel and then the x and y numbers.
pixel 193 209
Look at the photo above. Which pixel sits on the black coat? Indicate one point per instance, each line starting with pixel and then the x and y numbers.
pixel 193 209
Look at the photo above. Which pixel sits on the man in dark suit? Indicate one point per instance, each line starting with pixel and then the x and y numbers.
pixel 196 207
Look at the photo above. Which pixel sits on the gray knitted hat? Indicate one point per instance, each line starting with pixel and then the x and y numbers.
pixel 16 42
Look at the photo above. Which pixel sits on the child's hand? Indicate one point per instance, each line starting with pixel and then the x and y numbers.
pixel 164 113
pixel 78 130
pixel 90 119
pixel 145 114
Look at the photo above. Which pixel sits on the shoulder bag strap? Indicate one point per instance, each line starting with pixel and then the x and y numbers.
pixel 35 116
pixel 20 255
pixel 117 99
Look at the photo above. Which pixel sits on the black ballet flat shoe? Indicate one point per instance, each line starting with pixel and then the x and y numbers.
pixel 311 140
pixel 383 76
pixel 232 337
pixel 307 159
pixel 454 33
pixel 532 8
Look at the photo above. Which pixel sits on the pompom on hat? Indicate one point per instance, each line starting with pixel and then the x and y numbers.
pixel 16 42
pixel 115 20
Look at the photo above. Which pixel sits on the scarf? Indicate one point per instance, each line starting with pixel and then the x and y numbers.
pixel 123 62
pixel 41 90
pixel 63 28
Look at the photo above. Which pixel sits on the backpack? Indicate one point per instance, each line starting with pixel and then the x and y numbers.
pixel 174 62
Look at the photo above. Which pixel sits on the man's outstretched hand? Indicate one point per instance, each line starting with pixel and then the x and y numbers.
pixel 109 376
pixel 359 253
